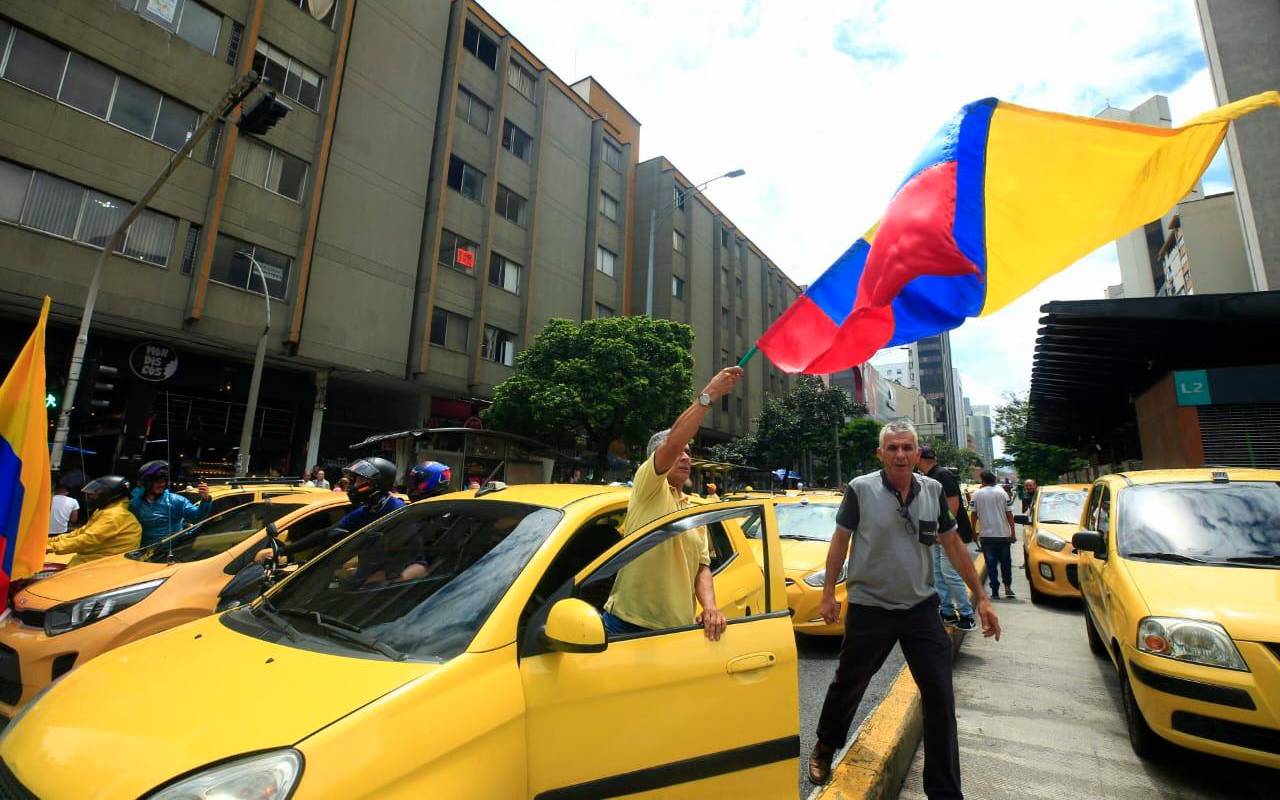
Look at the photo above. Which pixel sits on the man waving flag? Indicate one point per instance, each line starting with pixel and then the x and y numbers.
pixel 24 463
pixel 1002 198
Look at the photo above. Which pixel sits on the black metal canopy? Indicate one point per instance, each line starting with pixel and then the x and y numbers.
pixel 1093 357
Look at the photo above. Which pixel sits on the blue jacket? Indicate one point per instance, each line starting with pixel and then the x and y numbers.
pixel 360 516
pixel 167 514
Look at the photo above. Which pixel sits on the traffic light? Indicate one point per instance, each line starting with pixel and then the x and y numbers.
pixel 95 395
pixel 263 114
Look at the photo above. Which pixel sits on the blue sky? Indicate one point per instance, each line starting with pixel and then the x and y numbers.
pixel 825 105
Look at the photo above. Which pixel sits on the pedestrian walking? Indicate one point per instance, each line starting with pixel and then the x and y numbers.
pixel 895 518
pixel 995 523
pixel 64 510
pixel 953 599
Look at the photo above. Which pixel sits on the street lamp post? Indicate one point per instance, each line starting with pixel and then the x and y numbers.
pixel 251 409
pixel 653 225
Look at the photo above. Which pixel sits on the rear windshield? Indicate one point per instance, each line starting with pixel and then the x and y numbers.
pixel 215 535
pixel 422 580
pixel 1064 507
pixel 816 521
pixel 1209 521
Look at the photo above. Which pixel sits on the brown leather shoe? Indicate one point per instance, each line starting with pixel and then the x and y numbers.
pixel 820 764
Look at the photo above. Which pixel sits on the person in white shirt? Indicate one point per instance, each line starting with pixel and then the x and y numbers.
pixel 317 479
pixel 995 522
pixel 64 511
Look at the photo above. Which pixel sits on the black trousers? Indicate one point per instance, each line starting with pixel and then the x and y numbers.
pixel 869 636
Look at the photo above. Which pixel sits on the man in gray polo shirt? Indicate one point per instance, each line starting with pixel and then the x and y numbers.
pixel 895 519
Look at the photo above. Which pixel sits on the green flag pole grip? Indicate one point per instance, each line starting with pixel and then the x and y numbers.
pixel 742 362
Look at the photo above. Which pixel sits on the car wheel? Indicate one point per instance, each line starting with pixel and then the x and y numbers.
pixel 1091 633
pixel 1037 596
pixel 1145 742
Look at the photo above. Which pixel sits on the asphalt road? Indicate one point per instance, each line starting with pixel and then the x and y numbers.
pixel 817 666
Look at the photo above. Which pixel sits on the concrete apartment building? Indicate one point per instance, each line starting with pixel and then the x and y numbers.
pixel 435 195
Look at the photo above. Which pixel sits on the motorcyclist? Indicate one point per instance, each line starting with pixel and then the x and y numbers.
pixel 160 511
pixel 428 479
pixel 111 528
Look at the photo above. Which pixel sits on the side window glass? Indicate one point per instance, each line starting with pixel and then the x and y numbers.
pixel 1104 513
pixel 719 546
pixel 1091 515
pixel 231 501
pixel 586 545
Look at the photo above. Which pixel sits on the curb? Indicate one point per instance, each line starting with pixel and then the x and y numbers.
pixel 877 762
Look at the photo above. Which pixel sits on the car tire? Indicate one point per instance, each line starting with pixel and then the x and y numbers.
pixel 1096 645
pixel 1037 597
pixel 1145 742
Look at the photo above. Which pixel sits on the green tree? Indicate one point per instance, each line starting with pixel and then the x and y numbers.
pixel 962 458
pixel 800 428
pixel 604 379
pixel 859 439
pixel 1037 460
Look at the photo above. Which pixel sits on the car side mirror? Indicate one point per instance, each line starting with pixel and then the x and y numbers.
pixel 1090 541
pixel 1022 519
pixel 273 531
pixel 247 584
pixel 574 626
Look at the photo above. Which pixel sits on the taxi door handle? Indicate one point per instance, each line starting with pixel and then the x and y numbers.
pixel 742 596
pixel 751 662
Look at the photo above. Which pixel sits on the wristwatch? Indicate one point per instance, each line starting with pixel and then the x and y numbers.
pixel 705 400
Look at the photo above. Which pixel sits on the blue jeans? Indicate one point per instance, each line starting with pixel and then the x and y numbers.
pixel 998 558
pixel 953 597
pixel 618 626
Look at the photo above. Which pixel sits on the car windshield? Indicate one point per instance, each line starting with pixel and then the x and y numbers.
pixel 1205 521
pixel 816 521
pixel 421 581
pixel 1063 507
pixel 216 534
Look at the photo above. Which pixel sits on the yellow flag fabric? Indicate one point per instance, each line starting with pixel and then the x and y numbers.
pixel 24 462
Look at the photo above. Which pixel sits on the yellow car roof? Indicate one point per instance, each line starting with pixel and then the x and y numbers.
pixel 549 495
pixel 1200 474
pixel 308 497
pixel 1065 487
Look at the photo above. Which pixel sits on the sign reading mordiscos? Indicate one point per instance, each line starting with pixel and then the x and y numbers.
pixel 153 361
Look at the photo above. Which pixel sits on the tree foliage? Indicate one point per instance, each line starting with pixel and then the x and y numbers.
pixel 1036 460
pixel 949 455
pixel 604 379
pixel 859 439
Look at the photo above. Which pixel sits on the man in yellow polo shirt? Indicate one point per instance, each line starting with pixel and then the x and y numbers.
pixel 657 590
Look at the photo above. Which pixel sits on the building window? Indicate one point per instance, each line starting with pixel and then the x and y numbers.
pixel 612 155
pixel 724 403
pixel 457 252
pixel 265 166
pixel 608 206
pixel 742 410
pixel 287 75
pixel 603 311
pixel 499 346
pixel 738 326
pixel 449 330
pixel 43 202
pixel 516 140
pixel 724 319
pixel 742 253
pixel 479 45
pixel 189 249
pixel 677 241
pixel 473 111
pixel 192 21
pixel 233 42
pixel 724 238
pixel 605 261
pixel 677 287
pixel 677 197
pixel 511 205
pixel 737 284
pixel 504 273
pixel 88 86
pixel 232 269
pixel 520 79
pixel 465 179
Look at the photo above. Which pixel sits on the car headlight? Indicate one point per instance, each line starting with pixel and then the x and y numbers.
pixel 1050 542
pixel 818 579
pixel 271 774
pixel 78 613
pixel 1192 640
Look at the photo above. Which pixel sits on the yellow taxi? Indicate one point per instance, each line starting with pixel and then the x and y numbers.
pixel 1180 572
pixel 65 620
pixel 1049 560
pixel 491 675
pixel 805 524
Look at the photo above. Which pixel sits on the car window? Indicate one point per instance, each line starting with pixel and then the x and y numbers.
pixel 585 545
pixel 719 546
pixel 816 521
pixel 1060 507
pixel 1209 521
pixel 215 535
pixel 227 502
pixel 421 580
pixel 1104 512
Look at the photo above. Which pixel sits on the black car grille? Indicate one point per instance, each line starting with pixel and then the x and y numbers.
pixel 31 617
pixel 1239 734
pixel 10 676
pixel 10 787
pixel 1073 575
pixel 1274 648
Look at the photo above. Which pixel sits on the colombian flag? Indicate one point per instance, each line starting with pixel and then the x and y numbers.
pixel 24 463
pixel 1002 198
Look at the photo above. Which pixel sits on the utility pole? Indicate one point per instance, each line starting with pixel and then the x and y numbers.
pixel 251 409
pixel 234 96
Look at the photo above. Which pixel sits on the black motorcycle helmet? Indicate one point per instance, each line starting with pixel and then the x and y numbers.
pixel 380 474
pixel 104 491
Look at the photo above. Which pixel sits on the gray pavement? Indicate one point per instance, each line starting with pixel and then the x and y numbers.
pixel 1040 717
pixel 818 655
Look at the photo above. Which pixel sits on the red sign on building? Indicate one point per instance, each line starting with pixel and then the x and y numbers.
pixel 466 258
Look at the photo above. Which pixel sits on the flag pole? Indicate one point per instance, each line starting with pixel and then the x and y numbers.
pixel 742 362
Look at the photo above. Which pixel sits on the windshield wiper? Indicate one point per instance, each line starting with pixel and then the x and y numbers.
pixel 801 536
pixel 1271 559
pixel 265 610
pixel 1178 557
pixel 346 630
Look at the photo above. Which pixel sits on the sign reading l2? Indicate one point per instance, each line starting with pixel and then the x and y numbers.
pixel 1192 387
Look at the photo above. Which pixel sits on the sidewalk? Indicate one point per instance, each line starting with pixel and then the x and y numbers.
pixel 1040 717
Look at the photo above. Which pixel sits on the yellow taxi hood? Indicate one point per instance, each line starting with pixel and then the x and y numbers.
pixel 1063 531
pixel 179 700
pixel 798 555
pixel 104 574
pixel 1242 599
